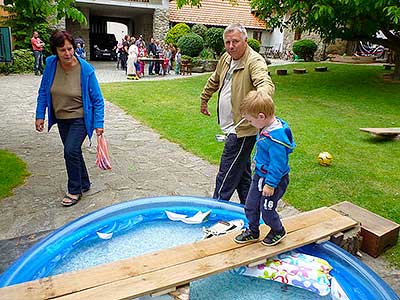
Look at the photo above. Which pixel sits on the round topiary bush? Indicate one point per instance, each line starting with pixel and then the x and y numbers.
pixel 254 44
pixel 200 29
pixel 206 54
pixel 191 44
pixel 215 39
pixel 305 49
pixel 176 32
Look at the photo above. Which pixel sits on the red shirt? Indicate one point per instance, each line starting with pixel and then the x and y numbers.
pixel 36 44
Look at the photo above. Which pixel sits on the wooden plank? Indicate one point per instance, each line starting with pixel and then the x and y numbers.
pixel 183 273
pixel 385 132
pixel 50 287
pixel 378 233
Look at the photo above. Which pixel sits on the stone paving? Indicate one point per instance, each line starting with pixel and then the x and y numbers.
pixel 144 165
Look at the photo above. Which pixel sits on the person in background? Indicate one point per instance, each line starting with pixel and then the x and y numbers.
pixel 271 160
pixel 152 52
pixel 131 70
pixel 37 47
pixel 142 53
pixel 239 71
pixel 178 61
pixel 79 51
pixel 70 93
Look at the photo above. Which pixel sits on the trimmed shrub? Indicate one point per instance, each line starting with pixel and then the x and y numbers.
pixel 176 32
pixel 191 44
pixel 23 62
pixel 206 54
pixel 254 44
pixel 215 39
pixel 305 49
pixel 199 29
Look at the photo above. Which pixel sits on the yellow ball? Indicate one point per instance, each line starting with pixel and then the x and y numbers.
pixel 325 159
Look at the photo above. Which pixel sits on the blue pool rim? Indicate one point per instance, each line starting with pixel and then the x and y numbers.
pixel 377 288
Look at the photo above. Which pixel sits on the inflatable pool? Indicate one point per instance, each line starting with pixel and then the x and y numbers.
pixel 124 230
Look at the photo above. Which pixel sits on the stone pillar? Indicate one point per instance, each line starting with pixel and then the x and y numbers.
pixel 160 23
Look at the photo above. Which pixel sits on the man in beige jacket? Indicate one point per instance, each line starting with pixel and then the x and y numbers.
pixel 239 71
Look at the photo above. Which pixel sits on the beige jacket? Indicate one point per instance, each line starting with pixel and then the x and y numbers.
pixel 251 74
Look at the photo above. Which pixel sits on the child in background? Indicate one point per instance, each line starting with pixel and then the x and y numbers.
pixel 79 51
pixel 271 178
pixel 178 61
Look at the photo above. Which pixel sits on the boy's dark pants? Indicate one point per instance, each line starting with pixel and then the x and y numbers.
pixel 257 204
pixel 235 168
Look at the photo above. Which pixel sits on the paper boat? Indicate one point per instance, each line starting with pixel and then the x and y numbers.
pixel 104 236
pixel 174 216
pixel 198 218
pixel 223 227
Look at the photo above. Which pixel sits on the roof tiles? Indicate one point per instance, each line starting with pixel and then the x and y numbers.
pixel 216 13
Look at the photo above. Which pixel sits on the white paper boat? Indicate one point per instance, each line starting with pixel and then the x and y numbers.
pixel 104 236
pixel 174 216
pixel 222 227
pixel 198 218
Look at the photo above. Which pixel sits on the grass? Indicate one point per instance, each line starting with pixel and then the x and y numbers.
pixel 325 111
pixel 12 173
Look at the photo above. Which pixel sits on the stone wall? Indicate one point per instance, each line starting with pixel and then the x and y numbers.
pixel 288 40
pixel 160 23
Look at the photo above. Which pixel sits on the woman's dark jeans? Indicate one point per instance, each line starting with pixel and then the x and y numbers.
pixel 73 133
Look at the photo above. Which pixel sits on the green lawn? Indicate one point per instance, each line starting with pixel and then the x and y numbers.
pixel 324 110
pixel 12 173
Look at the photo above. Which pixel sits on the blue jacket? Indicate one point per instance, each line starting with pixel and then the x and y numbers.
pixel 271 156
pixel 92 99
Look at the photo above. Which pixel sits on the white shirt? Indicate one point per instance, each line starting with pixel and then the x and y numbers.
pixel 225 101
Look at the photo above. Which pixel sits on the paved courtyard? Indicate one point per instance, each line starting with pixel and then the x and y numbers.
pixel 144 165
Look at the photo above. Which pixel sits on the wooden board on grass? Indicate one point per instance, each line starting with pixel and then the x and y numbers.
pixel 158 271
pixel 383 132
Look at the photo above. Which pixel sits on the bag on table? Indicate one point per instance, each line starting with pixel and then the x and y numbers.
pixel 102 156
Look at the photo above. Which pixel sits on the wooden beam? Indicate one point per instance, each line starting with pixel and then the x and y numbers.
pixel 68 283
pixel 184 273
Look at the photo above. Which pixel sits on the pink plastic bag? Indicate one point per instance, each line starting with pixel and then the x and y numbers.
pixel 102 157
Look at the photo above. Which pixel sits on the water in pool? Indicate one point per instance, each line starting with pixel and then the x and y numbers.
pixel 159 234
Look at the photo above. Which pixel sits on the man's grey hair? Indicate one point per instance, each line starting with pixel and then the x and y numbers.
pixel 236 27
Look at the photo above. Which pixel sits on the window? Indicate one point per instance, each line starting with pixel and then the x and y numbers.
pixel 257 35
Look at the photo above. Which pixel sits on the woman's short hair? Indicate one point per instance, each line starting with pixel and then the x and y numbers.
pixel 58 38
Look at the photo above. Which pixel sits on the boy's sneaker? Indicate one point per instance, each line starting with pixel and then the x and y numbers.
pixel 247 236
pixel 273 238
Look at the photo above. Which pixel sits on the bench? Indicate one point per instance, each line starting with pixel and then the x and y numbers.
pixel 378 233
pixel 388 66
pixel 186 69
pixel 389 133
pixel 162 271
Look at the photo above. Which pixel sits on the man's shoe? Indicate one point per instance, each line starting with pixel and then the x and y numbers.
pixel 247 236
pixel 273 238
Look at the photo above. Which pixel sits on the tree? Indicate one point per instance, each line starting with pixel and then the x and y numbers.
pixel 26 16
pixel 352 20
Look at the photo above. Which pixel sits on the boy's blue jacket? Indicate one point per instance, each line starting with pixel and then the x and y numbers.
pixel 92 99
pixel 271 156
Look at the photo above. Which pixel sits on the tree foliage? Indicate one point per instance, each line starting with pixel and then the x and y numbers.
pixel 200 29
pixel 26 16
pixel 352 20
pixel 215 39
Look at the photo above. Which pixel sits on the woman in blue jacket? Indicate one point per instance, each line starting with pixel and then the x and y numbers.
pixel 71 94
